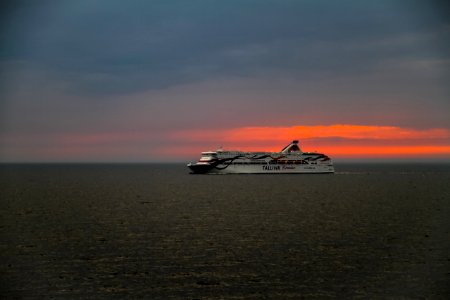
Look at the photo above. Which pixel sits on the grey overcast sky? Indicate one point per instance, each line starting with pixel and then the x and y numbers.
pixel 121 80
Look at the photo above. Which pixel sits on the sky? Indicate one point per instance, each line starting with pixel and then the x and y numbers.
pixel 163 80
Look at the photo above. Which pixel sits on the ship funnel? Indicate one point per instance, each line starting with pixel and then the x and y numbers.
pixel 292 147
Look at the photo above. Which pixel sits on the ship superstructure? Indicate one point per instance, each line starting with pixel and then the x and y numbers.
pixel 291 159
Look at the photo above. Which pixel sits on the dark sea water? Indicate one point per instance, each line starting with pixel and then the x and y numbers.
pixel 154 231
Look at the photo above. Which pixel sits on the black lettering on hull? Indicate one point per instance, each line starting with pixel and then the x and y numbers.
pixel 271 168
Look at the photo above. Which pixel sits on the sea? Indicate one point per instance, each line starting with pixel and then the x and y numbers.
pixel 154 231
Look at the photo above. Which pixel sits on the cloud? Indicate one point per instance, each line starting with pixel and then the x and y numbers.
pixel 107 48
pixel 338 140
pixel 345 131
pixel 85 74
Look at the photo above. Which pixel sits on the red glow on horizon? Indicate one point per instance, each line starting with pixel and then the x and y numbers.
pixel 424 151
pixel 337 141
pixel 347 152
pixel 314 132
pixel 355 141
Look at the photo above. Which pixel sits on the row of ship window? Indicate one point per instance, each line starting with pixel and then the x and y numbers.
pixel 272 162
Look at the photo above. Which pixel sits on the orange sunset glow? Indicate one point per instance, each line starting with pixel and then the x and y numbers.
pixel 340 140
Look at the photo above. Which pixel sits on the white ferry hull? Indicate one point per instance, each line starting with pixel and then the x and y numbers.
pixel 291 160
pixel 273 169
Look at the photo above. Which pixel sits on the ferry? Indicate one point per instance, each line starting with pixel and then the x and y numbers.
pixel 290 160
